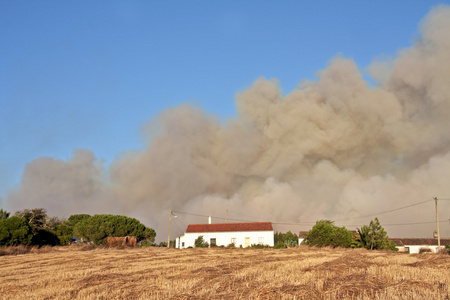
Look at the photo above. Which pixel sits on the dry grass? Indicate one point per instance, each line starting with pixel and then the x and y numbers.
pixel 159 273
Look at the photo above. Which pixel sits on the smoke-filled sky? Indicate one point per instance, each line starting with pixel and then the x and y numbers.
pixel 286 113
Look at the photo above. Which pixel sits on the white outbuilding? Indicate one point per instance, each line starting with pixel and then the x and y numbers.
pixel 224 234
pixel 419 245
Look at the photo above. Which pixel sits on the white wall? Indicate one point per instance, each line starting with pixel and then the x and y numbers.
pixel 416 248
pixel 224 238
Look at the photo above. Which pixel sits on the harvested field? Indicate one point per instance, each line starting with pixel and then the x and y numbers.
pixel 77 272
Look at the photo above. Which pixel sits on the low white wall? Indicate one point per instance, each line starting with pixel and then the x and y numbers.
pixel 225 238
pixel 413 249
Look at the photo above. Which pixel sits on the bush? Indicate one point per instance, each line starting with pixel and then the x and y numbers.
pixel 280 245
pixel 45 237
pixel 147 244
pixel 424 250
pixel 445 249
pixel 259 246
pixel 200 242
pixel 289 239
pixel 324 233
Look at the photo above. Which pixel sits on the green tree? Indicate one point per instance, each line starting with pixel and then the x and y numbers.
pixel 36 217
pixel 324 233
pixel 284 240
pixel 75 219
pixel 53 222
pixel 342 237
pixel 64 233
pixel 200 242
pixel 4 214
pixel 15 231
pixel 98 227
pixel 43 227
pixel 64 230
pixel 373 237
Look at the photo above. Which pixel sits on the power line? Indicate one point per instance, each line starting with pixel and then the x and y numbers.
pixel 399 224
pixel 309 223
pixel 386 211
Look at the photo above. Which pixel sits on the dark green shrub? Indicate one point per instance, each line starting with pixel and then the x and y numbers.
pixel 15 231
pixel 98 228
pixel 280 245
pixel 259 246
pixel 288 238
pixel 324 233
pixel 200 242
pixel 45 237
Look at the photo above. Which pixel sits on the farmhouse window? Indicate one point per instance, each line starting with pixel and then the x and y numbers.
pixel 182 244
pixel 233 241
pixel 261 240
pixel 212 242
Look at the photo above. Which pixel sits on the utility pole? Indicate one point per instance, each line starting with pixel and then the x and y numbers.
pixel 437 225
pixel 168 237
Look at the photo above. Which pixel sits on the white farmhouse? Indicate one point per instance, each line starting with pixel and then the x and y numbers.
pixel 224 234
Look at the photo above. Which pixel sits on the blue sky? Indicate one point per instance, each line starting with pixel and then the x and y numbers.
pixel 89 74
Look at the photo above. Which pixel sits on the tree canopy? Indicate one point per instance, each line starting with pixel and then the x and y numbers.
pixel 36 217
pixel 374 236
pixel 4 214
pixel 283 240
pixel 97 228
pixel 34 227
pixel 324 233
pixel 15 231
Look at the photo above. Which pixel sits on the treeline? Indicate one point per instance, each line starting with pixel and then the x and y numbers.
pixel 35 227
pixel 284 240
pixel 325 234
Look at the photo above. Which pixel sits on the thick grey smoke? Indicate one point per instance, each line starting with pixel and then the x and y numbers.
pixel 334 149
pixel 65 187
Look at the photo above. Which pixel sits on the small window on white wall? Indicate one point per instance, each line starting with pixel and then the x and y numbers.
pixel 233 241
pixel 261 240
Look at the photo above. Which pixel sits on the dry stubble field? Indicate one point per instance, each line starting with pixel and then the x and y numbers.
pixel 157 273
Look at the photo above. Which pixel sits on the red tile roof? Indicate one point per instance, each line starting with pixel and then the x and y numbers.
pixel 226 227
pixel 303 234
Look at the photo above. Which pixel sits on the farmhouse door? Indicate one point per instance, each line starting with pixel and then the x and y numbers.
pixel 247 242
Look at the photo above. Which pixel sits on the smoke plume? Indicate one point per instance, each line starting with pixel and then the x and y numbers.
pixel 336 149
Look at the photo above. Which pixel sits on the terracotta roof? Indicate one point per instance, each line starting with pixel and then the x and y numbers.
pixel 418 242
pixel 302 234
pixel 226 227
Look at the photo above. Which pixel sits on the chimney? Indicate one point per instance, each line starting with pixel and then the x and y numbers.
pixel 209 220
